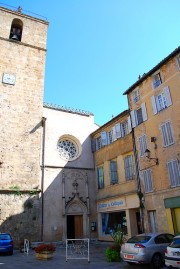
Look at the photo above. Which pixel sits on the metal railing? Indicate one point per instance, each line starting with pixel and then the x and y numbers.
pixel 77 249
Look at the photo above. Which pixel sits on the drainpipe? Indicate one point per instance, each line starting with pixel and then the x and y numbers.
pixel 139 192
pixel 42 176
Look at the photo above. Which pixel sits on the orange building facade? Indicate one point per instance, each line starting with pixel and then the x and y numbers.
pixel 154 103
pixel 117 199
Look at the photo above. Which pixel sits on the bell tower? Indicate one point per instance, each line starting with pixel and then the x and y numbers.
pixel 22 68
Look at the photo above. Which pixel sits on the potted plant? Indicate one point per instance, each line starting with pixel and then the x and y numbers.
pixel 113 252
pixel 45 251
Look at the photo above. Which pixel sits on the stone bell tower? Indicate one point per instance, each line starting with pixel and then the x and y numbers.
pixel 22 68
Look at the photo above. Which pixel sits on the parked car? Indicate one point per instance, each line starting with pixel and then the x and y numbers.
pixel 6 243
pixel 146 249
pixel 172 253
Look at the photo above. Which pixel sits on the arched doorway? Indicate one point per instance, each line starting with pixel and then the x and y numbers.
pixel 74 226
pixel 77 223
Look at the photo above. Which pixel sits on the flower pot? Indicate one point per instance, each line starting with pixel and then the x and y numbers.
pixel 46 255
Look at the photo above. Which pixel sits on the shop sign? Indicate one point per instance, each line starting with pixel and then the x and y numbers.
pixel 111 204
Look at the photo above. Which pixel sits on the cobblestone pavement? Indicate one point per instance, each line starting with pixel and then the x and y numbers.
pixel 97 260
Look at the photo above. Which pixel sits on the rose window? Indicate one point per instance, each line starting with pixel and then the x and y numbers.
pixel 67 149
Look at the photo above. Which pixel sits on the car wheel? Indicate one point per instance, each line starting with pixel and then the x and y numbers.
pixel 156 261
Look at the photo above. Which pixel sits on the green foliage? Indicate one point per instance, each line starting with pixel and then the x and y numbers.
pixel 16 189
pixel 118 237
pixel 140 195
pixel 113 254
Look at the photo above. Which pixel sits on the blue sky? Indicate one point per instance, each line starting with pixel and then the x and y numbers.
pixel 96 49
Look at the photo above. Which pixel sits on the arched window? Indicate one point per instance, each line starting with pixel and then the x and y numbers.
pixel 16 30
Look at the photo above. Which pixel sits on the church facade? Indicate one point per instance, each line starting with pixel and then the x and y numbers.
pixel 47 181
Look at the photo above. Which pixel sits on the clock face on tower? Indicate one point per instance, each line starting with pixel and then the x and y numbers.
pixel 9 78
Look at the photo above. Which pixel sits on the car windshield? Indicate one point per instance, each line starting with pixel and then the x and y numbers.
pixel 175 243
pixel 139 239
pixel 4 237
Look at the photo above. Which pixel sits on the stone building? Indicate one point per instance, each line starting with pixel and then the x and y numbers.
pixel 154 102
pixel 21 106
pixel 47 188
pixel 69 199
pixel 117 199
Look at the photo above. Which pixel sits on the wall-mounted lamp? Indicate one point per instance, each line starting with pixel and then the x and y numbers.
pixel 148 155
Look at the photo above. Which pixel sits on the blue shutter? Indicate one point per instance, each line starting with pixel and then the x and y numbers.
pixel 104 139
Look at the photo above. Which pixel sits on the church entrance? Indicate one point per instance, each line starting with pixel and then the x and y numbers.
pixel 74 226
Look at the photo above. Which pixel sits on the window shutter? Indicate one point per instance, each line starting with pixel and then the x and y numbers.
pixel 100 174
pixel 167 96
pixel 144 112
pixel 147 180
pixel 142 145
pixel 129 124
pixel 128 166
pixel 164 135
pixel 169 133
pixel 133 118
pixel 93 145
pixel 118 130
pixel 114 138
pixel 103 139
pixel 174 173
pixel 153 101
pixel 113 169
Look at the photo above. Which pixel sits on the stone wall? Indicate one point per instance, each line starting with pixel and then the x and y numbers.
pixel 21 111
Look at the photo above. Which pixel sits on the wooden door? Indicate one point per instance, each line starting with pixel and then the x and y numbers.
pixel 78 222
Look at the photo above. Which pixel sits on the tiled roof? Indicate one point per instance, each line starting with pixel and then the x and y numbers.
pixel 146 75
pixel 68 109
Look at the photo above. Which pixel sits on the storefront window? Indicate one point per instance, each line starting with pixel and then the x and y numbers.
pixel 112 221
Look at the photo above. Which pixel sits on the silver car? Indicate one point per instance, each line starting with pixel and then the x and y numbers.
pixel 146 248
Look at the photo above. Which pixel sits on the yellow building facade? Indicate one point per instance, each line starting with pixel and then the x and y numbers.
pixel 154 103
pixel 117 199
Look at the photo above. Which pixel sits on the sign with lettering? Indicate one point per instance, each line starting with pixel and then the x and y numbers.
pixel 114 204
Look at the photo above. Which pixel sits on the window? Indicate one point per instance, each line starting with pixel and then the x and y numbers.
pixel 157 80
pixel 136 96
pixel 98 143
pixel 100 175
pixel 113 172
pixel 166 131
pixel 69 148
pixel 174 173
pixel 103 139
pixel 142 144
pixel 109 134
pixel 162 239
pixel 138 116
pixel 161 101
pixel 124 128
pixel 112 221
pixel 152 221
pixel 147 178
pixel 16 30
pixel 128 167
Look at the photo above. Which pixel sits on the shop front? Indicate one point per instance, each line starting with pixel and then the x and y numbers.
pixel 172 206
pixel 118 213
